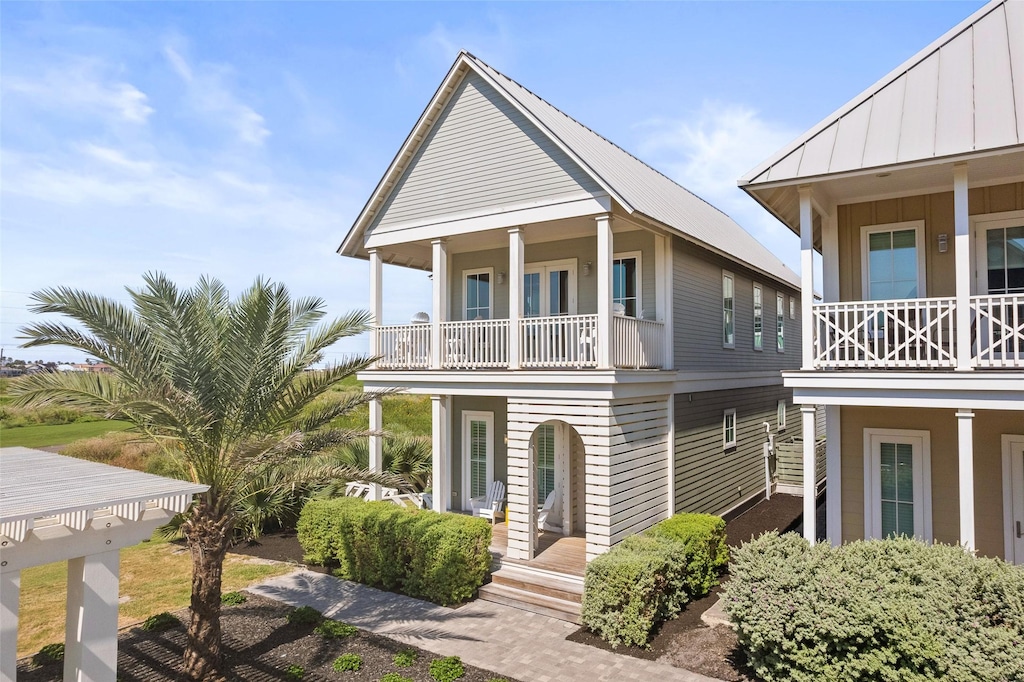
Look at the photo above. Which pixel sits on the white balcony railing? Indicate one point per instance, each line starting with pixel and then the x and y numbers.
pixel 997 333
pixel 563 341
pixel 911 333
pixel 405 346
pixel 475 344
pixel 637 344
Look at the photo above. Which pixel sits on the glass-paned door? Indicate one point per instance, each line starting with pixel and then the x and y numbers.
pixel 549 289
pixel 532 304
pixel 892 265
pixel 558 292
pixel 896 476
pixel 545 456
pixel 478 296
pixel 1004 250
pixel 625 285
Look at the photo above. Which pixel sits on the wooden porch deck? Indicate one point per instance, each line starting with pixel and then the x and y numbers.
pixel 555 553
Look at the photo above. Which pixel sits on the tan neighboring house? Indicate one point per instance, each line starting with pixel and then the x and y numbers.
pixel 600 339
pixel 913 192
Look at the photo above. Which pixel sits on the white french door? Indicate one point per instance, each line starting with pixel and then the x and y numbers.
pixel 897 490
pixel 549 289
pixel 1013 498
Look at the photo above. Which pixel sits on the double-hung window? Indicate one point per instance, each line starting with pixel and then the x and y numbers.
pixel 780 417
pixel 626 283
pixel 729 429
pixel 478 294
pixel 780 323
pixel 728 310
pixel 893 261
pixel 758 317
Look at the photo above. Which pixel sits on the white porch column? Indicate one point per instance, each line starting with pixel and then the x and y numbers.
pixel 376 300
pixel 962 261
pixel 806 278
pixel 376 443
pixel 440 271
pixel 664 287
pixel 516 258
pixel 670 442
pixel 807 417
pixel 605 254
pixel 10 595
pixel 90 638
pixel 440 474
pixel 965 438
pixel 833 476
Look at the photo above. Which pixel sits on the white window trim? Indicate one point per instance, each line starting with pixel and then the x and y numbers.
pixel 465 291
pixel 780 416
pixel 467 417
pixel 638 255
pixel 541 268
pixel 921 440
pixel 726 443
pixel 726 274
pixel 756 289
pixel 1009 528
pixel 867 230
pixel 980 225
pixel 780 321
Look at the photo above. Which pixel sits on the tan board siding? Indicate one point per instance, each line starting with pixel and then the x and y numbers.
pixel 697 316
pixel 709 478
pixel 477 404
pixel 582 250
pixel 936 210
pixel 482 153
pixel 941 424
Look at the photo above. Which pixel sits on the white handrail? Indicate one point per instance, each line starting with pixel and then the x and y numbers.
pixel 908 333
pixel 636 343
pixel 474 344
pixel 405 346
pixel 997 330
pixel 562 341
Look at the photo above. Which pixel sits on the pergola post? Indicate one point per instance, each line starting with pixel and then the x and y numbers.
pixel 90 638
pixel 10 594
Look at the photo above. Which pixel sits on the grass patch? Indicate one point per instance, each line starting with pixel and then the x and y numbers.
pixel 57 434
pixel 155 576
pixel 333 629
pixel 348 662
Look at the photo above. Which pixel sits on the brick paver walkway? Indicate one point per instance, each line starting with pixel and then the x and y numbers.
pixel 508 641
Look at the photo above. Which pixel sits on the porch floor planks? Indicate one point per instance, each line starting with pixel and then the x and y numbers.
pixel 556 553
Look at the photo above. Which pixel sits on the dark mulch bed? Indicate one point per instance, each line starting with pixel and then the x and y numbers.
pixel 686 641
pixel 260 645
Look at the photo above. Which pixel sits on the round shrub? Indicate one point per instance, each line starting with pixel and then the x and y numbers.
pixel 348 662
pixel 304 615
pixel 405 659
pixel 703 535
pixel 894 609
pixel 51 653
pixel 233 598
pixel 447 669
pixel 332 629
pixel 294 672
pixel 159 622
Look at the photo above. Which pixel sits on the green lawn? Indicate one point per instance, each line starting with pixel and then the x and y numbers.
pixel 57 434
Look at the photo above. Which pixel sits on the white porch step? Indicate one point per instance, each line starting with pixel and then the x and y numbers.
pixel 535 602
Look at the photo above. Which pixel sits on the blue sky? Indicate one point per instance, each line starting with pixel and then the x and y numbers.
pixel 241 139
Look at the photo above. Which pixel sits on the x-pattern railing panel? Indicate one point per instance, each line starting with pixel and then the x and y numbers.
pixel 997 333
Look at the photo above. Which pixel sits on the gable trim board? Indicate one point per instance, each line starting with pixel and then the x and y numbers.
pixel 637 188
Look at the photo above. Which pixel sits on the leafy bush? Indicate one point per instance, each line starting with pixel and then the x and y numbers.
pixel 406 658
pixel 395 677
pixel 233 598
pixel 704 538
pixel 304 615
pixel 348 662
pixel 294 672
pixel 51 653
pixel 332 629
pixel 628 590
pixel 439 557
pixel 892 609
pixel 160 621
pixel 447 669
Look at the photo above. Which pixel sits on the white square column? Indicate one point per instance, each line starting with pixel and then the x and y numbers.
pixel 10 595
pixel 833 475
pixel 806 279
pixel 376 443
pixel 376 300
pixel 810 503
pixel 965 440
pixel 516 259
pixel 605 292
pixel 90 638
pixel 440 308
pixel 962 261
pixel 440 476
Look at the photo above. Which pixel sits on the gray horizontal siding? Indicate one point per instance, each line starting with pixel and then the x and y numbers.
pixel 708 478
pixel 697 283
pixel 481 153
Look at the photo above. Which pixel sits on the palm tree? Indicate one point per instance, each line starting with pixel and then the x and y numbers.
pixel 221 384
pixel 407 457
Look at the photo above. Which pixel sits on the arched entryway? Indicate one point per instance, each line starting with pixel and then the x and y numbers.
pixel 558 495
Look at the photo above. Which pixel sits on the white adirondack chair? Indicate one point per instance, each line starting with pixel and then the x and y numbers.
pixel 550 516
pixel 490 505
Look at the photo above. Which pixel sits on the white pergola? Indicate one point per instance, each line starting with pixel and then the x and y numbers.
pixel 55 508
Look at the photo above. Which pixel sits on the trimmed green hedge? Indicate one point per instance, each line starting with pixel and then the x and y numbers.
pixel 633 587
pixel 892 609
pixel 439 557
pixel 704 538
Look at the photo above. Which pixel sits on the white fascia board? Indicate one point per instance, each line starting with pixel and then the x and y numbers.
pixel 969 390
pixel 500 218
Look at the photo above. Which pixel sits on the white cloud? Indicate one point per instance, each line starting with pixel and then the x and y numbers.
pixel 493 42
pixel 210 95
pixel 82 85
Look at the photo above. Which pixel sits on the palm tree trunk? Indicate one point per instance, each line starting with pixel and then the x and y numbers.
pixel 207 531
